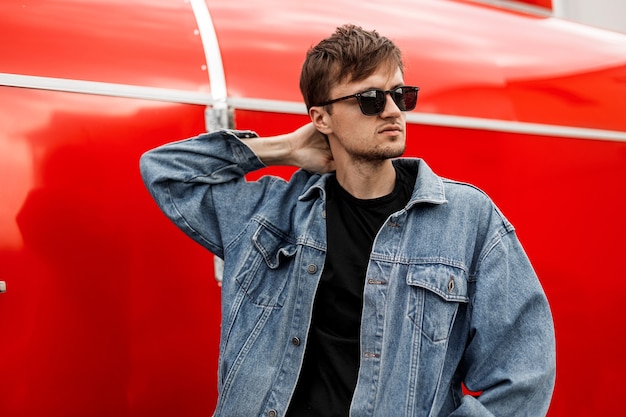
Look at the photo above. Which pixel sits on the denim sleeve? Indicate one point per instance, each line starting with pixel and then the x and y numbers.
pixel 199 184
pixel 511 355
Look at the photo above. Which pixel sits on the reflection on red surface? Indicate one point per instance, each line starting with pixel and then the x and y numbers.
pixel 582 97
pixel 542 3
pixel 505 65
pixel 157 42
pixel 105 328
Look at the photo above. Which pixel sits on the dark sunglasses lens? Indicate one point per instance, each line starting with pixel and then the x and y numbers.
pixel 405 98
pixel 372 102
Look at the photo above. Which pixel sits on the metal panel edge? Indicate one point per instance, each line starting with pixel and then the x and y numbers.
pixel 217 116
pixel 461 122
pixel 290 107
pixel 516 127
pixel 105 89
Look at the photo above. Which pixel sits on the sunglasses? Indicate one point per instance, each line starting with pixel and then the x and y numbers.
pixel 372 102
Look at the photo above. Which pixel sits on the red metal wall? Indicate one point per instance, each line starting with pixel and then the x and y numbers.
pixel 110 310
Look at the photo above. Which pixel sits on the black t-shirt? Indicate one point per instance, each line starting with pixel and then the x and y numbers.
pixel 331 362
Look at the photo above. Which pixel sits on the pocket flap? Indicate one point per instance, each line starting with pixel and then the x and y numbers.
pixel 449 282
pixel 272 245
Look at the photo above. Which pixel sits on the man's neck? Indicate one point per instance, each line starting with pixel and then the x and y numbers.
pixel 367 180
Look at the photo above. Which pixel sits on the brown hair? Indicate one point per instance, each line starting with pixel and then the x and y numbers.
pixel 349 54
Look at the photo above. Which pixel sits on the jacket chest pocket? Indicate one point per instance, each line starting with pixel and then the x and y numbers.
pixel 267 267
pixel 436 291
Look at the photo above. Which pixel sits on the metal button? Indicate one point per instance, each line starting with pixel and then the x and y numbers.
pixel 451 284
pixel 295 341
pixel 272 413
pixel 311 269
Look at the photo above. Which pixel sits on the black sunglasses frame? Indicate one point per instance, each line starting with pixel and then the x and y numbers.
pixel 379 104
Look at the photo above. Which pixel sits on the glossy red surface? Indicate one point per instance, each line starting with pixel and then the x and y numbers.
pixel 111 311
pixel 468 59
pixel 148 43
pixel 101 317
pixel 541 3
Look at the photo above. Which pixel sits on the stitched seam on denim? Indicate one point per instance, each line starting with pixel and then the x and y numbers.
pixel 440 376
pixel 494 242
pixel 298 240
pixel 423 260
pixel 247 346
pixel 183 221
pixel 238 236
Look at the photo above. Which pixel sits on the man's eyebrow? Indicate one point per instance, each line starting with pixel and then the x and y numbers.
pixel 361 90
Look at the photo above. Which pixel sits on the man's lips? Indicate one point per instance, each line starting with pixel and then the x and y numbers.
pixel 391 129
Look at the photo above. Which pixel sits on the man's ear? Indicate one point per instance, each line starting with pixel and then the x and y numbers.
pixel 321 119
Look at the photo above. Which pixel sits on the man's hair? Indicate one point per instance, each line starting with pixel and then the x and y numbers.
pixel 350 54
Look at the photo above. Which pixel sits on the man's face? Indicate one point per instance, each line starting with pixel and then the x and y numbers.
pixel 360 138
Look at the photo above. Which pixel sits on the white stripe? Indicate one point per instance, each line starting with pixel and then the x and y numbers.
pixel 450 121
pixel 106 89
pixel 211 51
pixel 275 106
pixel 517 6
pixel 290 107
pixel 515 127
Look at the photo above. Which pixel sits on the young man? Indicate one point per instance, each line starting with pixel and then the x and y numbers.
pixel 366 285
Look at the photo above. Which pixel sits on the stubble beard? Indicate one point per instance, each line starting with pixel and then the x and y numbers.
pixel 378 156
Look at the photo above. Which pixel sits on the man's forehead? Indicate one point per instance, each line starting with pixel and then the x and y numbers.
pixel 383 77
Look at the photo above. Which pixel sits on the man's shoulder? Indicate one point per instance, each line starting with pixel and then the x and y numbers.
pixel 434 183
pixel 474 202
pixel 465 190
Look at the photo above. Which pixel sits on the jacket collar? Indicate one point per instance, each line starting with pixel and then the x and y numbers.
pixel 428 186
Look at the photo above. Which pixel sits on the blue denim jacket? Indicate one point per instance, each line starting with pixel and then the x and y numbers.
pixel 450 296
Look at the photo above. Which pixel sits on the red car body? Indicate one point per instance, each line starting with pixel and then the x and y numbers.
pixel 109 310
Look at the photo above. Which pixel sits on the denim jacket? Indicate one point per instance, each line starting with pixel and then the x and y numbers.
pixel 450 297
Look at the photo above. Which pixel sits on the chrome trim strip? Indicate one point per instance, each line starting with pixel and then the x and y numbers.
pixel 274 106
pixel 106 89
pixel 291 107
pixel 451 121
pixel 518 7
pixel 212 52
pixel 217 116
pixel 510 126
